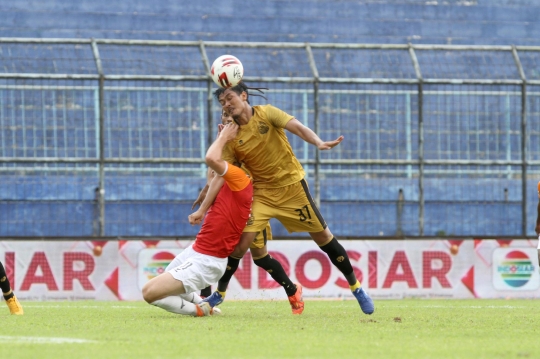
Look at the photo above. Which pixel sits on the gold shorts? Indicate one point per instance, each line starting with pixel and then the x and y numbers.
pixel 262 237
pixel 292 205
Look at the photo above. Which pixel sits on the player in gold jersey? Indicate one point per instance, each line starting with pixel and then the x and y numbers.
pixel 280 190
pixel 12 302
pixel 258 249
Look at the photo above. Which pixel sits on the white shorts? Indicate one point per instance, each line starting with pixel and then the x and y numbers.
pixel 196 270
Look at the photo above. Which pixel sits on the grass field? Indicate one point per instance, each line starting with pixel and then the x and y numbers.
pixel 266 329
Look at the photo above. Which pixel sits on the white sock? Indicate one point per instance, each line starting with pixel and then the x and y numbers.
pixel 175 304
pixel 191 297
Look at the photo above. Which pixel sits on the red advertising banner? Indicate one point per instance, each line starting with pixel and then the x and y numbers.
pixel 389 269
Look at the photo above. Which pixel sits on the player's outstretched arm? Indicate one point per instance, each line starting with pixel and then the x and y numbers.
pixel 214 153
pixel 219 166
pixel 305 133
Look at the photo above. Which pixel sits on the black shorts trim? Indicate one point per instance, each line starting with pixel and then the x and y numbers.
pixel 313 205
pixel 264 235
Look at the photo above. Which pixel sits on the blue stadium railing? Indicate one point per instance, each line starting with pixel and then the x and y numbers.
pixel 105 137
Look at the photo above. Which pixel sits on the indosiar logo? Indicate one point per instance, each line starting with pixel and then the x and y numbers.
pixel 157 264
pixel 514 269
pixel 152 262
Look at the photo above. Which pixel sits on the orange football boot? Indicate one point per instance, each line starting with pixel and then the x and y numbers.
pixel 297 303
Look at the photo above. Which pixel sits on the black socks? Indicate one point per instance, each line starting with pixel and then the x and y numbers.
pixel 269 264
pixel 232 266
pixel 206 292
pixel 4 283
pixel 340 259
pixel 275 269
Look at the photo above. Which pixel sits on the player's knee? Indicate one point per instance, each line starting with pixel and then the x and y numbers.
pixel 263 262
pixel 243 246
pixel 258 253
pixel 148 293
pixel 323 237
pixel 241 249
pixel 238 252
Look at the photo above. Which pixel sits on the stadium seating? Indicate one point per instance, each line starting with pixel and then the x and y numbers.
pixel 386 21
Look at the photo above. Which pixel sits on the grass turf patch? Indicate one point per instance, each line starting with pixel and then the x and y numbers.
pixel 267 329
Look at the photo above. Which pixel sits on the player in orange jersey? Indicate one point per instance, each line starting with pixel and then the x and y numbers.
pixel 205 261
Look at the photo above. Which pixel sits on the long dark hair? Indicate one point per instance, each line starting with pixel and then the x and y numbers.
pixel 241 87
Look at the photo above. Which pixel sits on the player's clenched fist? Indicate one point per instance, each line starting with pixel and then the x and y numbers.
pixel 229 131
pixel 195 218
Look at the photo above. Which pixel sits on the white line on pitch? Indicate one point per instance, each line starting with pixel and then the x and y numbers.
pixel 84 306
pixel 42 340
pixel 460 306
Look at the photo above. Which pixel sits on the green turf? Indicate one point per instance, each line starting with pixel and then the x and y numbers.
pixel 254 329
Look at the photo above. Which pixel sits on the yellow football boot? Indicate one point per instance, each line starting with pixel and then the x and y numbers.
pixel 14 306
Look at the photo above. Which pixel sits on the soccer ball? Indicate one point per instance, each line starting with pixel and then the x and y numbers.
pixel 227 71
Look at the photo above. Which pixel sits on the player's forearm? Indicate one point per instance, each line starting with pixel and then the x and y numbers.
pixel 296 127
pixel 202 194
pixel 312 138
pixel 213 190
pixel 209 175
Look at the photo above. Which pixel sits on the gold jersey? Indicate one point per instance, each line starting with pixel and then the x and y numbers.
pixel 263 148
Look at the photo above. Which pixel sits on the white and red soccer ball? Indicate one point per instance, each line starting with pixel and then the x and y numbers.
pixel 227 71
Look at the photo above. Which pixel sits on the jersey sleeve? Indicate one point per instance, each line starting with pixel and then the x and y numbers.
pixel 228 154
pixel 236 178
pixel 277 117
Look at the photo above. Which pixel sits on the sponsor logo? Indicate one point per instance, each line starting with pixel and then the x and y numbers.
pixel 513 269
pixel 158 263
pixel 263 128
pixel 250 220
pixel 152 262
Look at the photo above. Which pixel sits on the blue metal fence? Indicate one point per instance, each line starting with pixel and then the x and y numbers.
pixel 421 157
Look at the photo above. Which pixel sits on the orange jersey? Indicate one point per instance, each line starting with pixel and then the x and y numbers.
pixel 227 217
pixel 263 148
